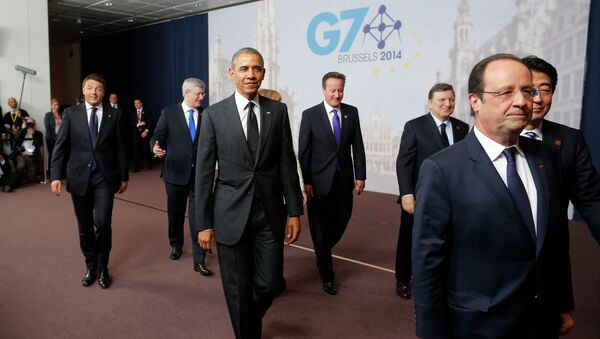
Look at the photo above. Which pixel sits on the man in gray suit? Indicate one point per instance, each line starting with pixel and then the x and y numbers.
pixel 255 191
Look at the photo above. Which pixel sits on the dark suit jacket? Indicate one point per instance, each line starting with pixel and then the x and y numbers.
pixel 476 268
pixel 319 153
pixel 146 117
pixel 273 175
pixel 420 140
pixel 581 183
pixel 50 125
pixel 172 132
pixel 75 144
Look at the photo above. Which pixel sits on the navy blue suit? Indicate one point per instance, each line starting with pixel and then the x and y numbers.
pixel 331 170
pixel 477 271
pixel 421 139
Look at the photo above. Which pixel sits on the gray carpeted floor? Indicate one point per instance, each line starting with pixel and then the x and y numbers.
pixel 153 297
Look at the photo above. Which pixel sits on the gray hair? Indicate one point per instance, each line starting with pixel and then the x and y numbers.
pixel 191 83
pixel 246 50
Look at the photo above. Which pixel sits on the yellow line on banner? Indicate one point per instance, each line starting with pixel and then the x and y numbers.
pixel 348 259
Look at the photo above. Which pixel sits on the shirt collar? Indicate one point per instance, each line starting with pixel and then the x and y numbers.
pixel 89 107
pixel 537 130
pixel 328 108
pixel 492 148
pixel 438 122
pixel 241 102
pixel 186 108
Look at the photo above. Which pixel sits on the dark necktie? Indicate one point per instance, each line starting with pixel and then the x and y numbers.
pixel 93 134
pixel 252 130
pixel 517 190
pixel 192 124
pixel 337 128
pixel 443 135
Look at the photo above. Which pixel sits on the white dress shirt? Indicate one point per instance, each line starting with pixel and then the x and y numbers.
pixel 241 102
pixel 186 113
pixel 88 109
pixel 329 111
pixel 449 132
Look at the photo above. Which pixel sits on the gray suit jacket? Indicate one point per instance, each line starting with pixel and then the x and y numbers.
pixel 226 208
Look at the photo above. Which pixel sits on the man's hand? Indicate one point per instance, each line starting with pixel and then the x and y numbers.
pixel 206 240
pixel 304 198
pixel 293 230
pixel 567 323
pixel 55 186
pixel 308 189
pixel 144 134
pixel 123 187
pixel 408 203
pixel 158 151
pixel 359 186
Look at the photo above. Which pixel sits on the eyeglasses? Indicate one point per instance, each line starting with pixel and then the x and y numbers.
pixel 528 93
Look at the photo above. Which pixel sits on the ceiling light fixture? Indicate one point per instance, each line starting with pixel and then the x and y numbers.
pixel 108 4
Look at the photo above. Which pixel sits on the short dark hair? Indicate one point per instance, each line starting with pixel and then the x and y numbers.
pixel 440 87
pixel 333 75
pixel 476 81
pixel 95 77
pixel 540 65
pixel 246 50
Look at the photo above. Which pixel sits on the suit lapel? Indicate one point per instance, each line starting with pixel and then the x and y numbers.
pixel 324 117
pixel 536 166
pixel 234 122
pixel 81 119
pixel 345 117
pixel 487 173
pixel 434 132
pixel 266 119
pixel 180 119
pixel 107 116
pixel 457 131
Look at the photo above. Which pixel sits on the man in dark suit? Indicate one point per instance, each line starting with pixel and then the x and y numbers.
pixel 422 137
pixel 141 131
pixel 176 137
pixel 89 144
pixel 581 182
pixel 326 150
pixel 249 136
pixel 488 255
pixel 13 118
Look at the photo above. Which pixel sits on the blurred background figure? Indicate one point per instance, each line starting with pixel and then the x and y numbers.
pixel 52 121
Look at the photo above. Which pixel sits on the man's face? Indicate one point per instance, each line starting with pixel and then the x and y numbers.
pixel 193 98
pixel 543 101
pixel 441 105
pixel 248 73
pixel 93 92
pixel 12 102
pixel 503 116
pixel 138 104
pixel 334 91
pixel 113 99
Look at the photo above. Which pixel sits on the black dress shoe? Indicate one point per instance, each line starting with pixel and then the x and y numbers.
pixel 403 290
pixel 89 277
pixel 329 288
pixel 175 253
pixel 202 268
pixel 104 279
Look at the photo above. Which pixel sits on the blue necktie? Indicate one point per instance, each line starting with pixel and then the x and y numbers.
pixel 531 134
pixel 93 134
pixel 337 129
pixel 517 190
pixel 192 124
pixel 443 135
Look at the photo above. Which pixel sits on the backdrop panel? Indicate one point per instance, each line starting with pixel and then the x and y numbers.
pixel 392 52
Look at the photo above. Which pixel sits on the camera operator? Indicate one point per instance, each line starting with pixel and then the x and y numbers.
pixel 29 143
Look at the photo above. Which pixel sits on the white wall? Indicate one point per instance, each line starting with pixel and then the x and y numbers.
pixel 24 41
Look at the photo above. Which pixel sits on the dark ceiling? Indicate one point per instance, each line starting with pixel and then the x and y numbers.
pixel 73 20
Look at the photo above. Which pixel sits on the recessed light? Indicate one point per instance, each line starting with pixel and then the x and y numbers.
pixel 108 4
pixel 129 20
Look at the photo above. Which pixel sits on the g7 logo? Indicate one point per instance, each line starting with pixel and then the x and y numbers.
pixel 333 36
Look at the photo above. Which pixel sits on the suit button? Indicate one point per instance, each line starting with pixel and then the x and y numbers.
pixel 536 296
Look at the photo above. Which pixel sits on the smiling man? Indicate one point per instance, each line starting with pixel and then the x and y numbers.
pixel 88 143
pixel 244 209
pixel 422 137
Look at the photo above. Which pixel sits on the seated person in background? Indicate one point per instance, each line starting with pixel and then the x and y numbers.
pixel 7 179
pixel 13 118
pixel 29 143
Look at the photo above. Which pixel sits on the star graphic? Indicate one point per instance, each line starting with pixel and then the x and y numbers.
pixel 375 72
pixel 392 69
